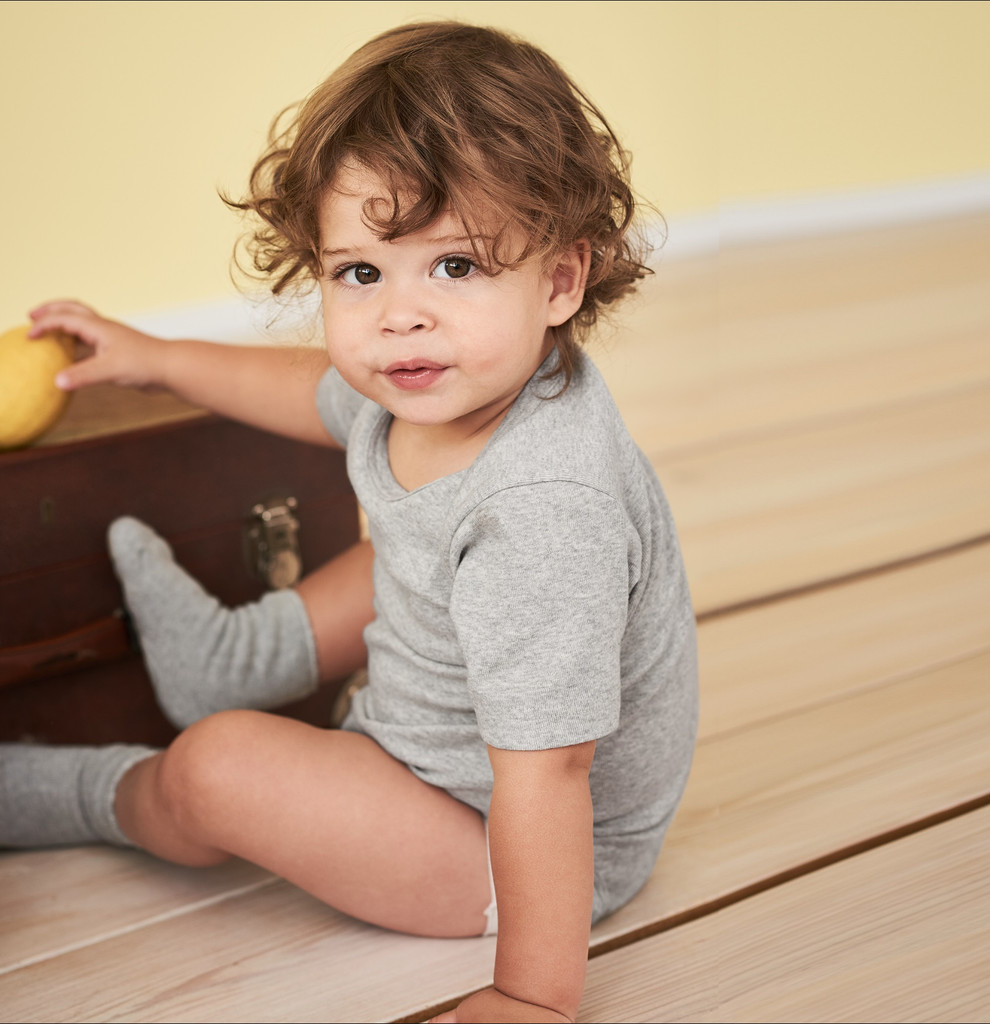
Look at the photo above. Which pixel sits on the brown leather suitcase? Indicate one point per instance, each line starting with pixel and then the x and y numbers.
pixel 240 508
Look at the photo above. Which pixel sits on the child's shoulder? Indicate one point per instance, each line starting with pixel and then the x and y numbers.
pixel 576 435
pixel 562 465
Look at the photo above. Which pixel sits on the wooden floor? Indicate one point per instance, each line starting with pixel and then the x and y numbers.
pixel 819 412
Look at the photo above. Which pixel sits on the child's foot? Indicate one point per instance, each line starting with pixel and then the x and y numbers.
pixel 203 657
pixel 58 796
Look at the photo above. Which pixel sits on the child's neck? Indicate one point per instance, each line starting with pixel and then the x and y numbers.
pixel 418 454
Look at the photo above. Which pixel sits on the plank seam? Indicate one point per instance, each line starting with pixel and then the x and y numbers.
pixel 129 929
pixel 663 458
pixel 878 684
pixel 816 586
pixel 791 874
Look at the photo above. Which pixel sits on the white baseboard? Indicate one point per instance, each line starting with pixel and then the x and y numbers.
pixel 750 223
pixel 257 319
pixel 261 320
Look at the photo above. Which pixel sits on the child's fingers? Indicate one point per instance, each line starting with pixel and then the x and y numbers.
pixel 60 306
pixel 118 353
pixel 489 1004
pixel 116 363
pixel 79 325
pixel 77 320
pixel 81 375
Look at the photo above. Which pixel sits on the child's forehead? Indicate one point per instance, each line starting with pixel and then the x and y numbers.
pixel 356 180
pixel 346 213
pixel 356 190
pixel 360 200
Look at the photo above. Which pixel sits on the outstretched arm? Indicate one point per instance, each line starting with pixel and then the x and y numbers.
pixel 270 388
pixel 540 827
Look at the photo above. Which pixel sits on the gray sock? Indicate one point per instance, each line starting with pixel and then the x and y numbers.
pixel 57 796
pixel 203 657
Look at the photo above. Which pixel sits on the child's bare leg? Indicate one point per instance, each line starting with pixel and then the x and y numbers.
pixel 328 810
pixel 203 657
pixel 338 599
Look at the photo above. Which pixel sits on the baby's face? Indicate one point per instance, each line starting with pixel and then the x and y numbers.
pixel 416 325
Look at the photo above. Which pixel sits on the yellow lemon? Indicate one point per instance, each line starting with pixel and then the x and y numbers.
pixel 29 401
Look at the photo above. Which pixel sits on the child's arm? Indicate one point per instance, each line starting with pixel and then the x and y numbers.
pixel 271 388
pixel 540 828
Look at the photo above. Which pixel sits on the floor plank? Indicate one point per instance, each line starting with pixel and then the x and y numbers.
pixel 762 516
pixel 796 397
pixel 758 339
pixel 774 659
pixel 55 900
pixel 785 793
pixel 899 933
pixel 821 270
pixel 274 954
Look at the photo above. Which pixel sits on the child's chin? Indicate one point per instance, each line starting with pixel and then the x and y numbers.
pixel 420 417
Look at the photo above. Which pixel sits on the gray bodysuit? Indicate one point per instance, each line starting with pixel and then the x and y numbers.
pixel 536 599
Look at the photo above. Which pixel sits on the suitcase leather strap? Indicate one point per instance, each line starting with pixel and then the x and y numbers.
pixel 97 643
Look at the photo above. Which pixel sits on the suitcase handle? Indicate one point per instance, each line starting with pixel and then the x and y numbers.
pixel 97 643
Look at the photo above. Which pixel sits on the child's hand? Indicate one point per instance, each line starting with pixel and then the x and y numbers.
pixel 120 355
pixel 490 1005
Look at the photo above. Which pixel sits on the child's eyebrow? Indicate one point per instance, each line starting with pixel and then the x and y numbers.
pixel 458 241
pixel 335 253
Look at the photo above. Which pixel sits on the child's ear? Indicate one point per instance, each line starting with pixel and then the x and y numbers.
pixel 569 278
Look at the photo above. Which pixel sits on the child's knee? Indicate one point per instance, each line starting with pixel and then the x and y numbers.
pixel 203 765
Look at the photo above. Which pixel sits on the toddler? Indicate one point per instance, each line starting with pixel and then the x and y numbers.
pixel 527 728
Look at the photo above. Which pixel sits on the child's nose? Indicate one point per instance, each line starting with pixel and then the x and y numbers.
pixel 404 310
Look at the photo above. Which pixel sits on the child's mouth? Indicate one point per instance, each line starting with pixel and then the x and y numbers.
pixel 415 375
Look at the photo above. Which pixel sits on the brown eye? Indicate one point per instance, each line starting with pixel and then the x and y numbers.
pixel 361 273
pixel 454 267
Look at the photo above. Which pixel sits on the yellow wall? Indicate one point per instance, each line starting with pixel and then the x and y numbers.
pixel 120 120
pixel 820 97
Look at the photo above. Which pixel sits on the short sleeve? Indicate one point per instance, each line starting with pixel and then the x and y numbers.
pixel 338 405
pixel 539 604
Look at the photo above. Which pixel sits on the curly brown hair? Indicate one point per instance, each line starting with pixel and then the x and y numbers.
pixel 453 117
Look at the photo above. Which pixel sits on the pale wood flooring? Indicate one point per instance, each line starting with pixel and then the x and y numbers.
pixel 819 412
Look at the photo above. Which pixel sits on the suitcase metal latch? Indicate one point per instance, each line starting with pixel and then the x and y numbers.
pixel 273 543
